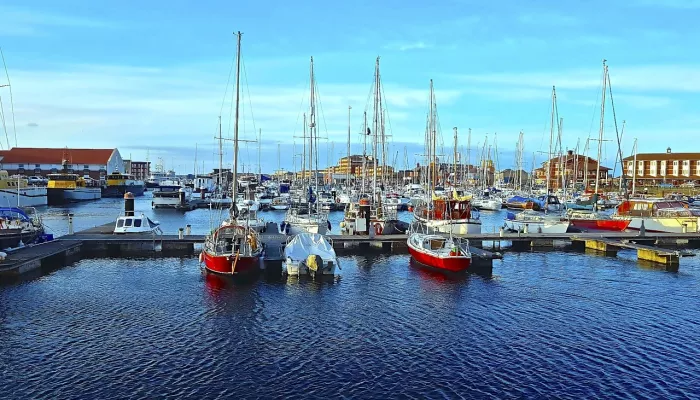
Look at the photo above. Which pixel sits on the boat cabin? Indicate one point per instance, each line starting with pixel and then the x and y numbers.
pixel 447 210
pixel 654 208
pixel 232 239
pixel 136 224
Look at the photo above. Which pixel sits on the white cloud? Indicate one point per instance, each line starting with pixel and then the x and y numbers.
pixel 406 46
pixel 25 22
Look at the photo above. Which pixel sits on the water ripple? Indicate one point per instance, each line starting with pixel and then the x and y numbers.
pixel 546 325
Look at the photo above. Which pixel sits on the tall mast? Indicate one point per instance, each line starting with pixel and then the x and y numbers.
pixel 312 117
pixel 455 159
pixel 431 164
pixel 634 168
pixel 349 164
pixel 259 159
pixel 234 189
pixel 376 128
pixel 469 150
pixel 221 158
pixel 303 157
pixel 602 126
pixel 364 153
pixel 549 154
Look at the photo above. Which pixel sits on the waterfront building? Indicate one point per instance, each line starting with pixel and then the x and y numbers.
pixel 95 163
pixel 576 169
pixel 141 170
pixel 668 167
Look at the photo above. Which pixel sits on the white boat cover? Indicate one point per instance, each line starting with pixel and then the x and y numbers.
pixel 305 244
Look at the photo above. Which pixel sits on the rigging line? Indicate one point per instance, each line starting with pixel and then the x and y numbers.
pixel 595 107
pixel 301 111
pixel 12 103
pixel 228 82
pixel 619 138
pixel 320 104
pixel 4 127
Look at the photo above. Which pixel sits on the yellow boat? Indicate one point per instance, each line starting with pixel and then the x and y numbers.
pixel 67 188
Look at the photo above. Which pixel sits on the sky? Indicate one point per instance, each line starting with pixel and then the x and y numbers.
pixel 152 78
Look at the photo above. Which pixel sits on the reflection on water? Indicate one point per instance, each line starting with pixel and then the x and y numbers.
pixel 550 324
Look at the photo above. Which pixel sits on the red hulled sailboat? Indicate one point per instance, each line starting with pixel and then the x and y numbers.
pixel 232 248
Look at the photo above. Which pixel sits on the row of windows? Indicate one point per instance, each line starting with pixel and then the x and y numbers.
pixel 21 166
pixel 663 169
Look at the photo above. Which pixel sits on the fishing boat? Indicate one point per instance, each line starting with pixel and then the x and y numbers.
pixel 310 253
pixel 19 226
pixel 444 253
pixel 117 184
pixel 17 192
pixel 658 215
pixel 587 220
pixel 233 249
pixel 69 188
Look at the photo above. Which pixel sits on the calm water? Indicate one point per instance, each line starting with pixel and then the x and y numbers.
pixel 554 325
pixel 543 325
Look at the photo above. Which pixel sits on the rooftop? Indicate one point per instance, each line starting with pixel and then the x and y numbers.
pixel 55 156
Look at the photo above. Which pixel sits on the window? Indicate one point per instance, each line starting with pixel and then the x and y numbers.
pixel 686 167
pixel 630 168
pixel 640 168
pixel 37 165
pixel 675 167
pixel 120 223
pixel 21 166
pixel 128 222
pixel 86 166
pixel 652 168
pixel 137 223
pixel 663 168
pixel 697 168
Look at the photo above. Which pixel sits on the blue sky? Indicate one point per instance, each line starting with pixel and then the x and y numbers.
pixel 152 75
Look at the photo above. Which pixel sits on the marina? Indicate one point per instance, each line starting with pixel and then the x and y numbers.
pixel 230 202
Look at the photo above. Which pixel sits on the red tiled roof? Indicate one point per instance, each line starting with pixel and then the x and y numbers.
pixel 55 156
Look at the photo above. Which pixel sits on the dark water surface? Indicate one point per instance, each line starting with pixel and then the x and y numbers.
pixel 544 325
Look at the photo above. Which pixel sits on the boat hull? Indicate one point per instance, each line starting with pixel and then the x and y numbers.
pixel 455 226
pixel 63 196
pixel 227 264
pixel 28 197
pixel 451 264
pixel 120 190
pixel 537 226
pixel 664 225
pixel 10 238
pixel 615 225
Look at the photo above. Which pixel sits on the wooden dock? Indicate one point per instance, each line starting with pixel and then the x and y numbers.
pixel 30 258
pixel 100 241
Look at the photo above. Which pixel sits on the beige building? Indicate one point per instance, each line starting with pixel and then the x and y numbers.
pixel 668 167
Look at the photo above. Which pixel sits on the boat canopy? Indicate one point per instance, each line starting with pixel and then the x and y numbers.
pixel 305 244
pixel 13 213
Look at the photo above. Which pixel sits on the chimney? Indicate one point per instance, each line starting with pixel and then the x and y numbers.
pixel 668 150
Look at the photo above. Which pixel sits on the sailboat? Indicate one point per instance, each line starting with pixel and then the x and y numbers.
pixel 533 221
pixel 370 211
pixel 233 248
pixel 308 217
pixel 442 214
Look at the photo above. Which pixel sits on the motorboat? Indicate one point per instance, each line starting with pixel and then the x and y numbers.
pixel 310 253
pixel 487 203
pixel 659 215
pixel 171 194
pixel 363 217
pixel 437 251
pixel 280 203
pixel 136 224
pixel 530 221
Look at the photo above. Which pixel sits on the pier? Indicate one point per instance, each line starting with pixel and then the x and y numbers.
pixel 486 247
